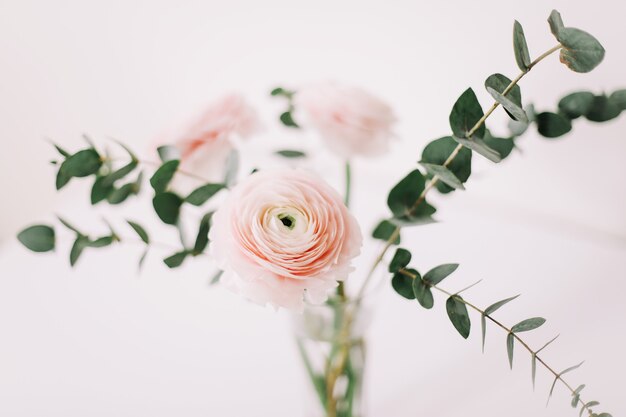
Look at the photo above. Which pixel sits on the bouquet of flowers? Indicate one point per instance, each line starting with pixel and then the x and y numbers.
pixel 283 237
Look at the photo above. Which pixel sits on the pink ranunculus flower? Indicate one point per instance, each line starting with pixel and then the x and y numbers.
pixel 206 143
pixel 350 120
pixel 283 237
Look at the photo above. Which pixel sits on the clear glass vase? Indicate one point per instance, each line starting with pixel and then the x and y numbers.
pixel 331 342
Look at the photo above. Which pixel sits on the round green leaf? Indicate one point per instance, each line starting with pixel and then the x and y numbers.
pixel 581 52
pixel 619 98
pixel 423 293
pixel 162 177
pixel 405 194
pixel 384 230
pixel 403 284
pixel 401 258
pixel 576 104
pixel 552 125
pixel 602 109
pixel 465 113
pixel 167 207
pixel 38 238
pixel 522 56
pixel 82 163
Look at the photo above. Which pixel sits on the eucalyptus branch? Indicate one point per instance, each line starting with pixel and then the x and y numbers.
pixel 512 334
pixel 435 179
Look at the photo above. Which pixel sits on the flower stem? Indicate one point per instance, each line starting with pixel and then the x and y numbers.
pixel 348 183
pixel 435 179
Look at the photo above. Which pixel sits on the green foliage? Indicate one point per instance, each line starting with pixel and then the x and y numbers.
pixel 402 283
pixel 510 345
pixel 619 98
pixel 176 260
pixel 553 125
pixel 384 230
pixel 465 113
pixel 82 163
pixel 287 119
pixel 423 293
pixel 556 23
pixel 504 146
pixel 439 273
pixel 167 206
pixel 444 174
pixel 581 52
pixel 141 232
pixel 500 83
pixel 290 153
pixel 119 195
pixel 401 258
pixel 457 312
pixel 513 109
pixel 168 153
pixel 100 191
pixel 492 308
pixel 162 177
pixel 438 151
pixel 38 238
pixel 576 104
pixel 202 194
pixel 522 56
pixel 202 239
pixel 603 109
pixel 481 148
pixel 79 245
pixel 528 324
pixel 404 199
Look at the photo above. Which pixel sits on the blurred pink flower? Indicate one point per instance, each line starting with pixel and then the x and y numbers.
pixel 350 120
pixel 206 143
pixel 283 237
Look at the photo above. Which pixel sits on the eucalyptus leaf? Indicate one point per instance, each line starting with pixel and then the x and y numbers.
pixel 520 47
pixel 119 195
pixel 384 230
pixel 100 242
pixel 70 226
pixel 552 125
pixel 483 327
pixel 61 151
pixel 480 147
pixel 510 345
pixel 404 196
pixel 556 23
pixel 142 259
pixel 444 174
pixel 202 239
pixel 619 99
pixel 168 153
pixel 465 113
pixel 439 273
pixel 287 119
pixel 423 293
pixel 528 324
pixel 403 284
pixel 495 306
pixel 581 52
pixel 504 146
pixel 400 259
pixel 162 177
pixel 100 191
pixel 533 368
pixel 167 206
pixel 457 313
pixel 119 174
pixel 216 277
pixel 79 245
pixel 602 109
pixel 62 178
pixel 202 194
pixel 513 109
pixel 141 232
pixel 437 153
pixel 82 163
pixel 576 104
pixel 38 238
pixel 176 260
pixel 290 153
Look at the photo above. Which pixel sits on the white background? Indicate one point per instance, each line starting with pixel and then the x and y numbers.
pixel 548 223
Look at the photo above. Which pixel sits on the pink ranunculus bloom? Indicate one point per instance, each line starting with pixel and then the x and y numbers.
pixel 283 237
pixel 205 144
pixel 350 120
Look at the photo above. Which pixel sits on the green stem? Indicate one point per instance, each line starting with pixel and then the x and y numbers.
pixel 348 183
pixel 435 179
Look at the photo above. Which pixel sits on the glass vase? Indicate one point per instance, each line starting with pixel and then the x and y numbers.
pixel 331 342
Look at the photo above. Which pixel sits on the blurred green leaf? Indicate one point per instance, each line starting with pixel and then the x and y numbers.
pixel 290 153
pixel 167 206
pixel 619 99
pixel 404 196
pixel 141 232
pixel 423 293
pixel 202 239
pixel 401 258
pixel 384 230
pixel 503 146
pixel 513 109
pixel 70 226
pixel 483 327
pixel 168 153
pixel 38 238
pixel 119 195
pixel 533 368
pixel 528 324
pixel 119 174
pixel 552 125
pixel 576 104
pixel 602 109
pixel 510 344
pixel 403 284
pixel 444 174
pixel 556 23
pixel 202 194
pixel 287 119
pixel 82 164
pixel 176 259
pixel 457 312
pixel 480 147
pixel 79 245
pixel 100 191
pixel 162 177
pixel 100 242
